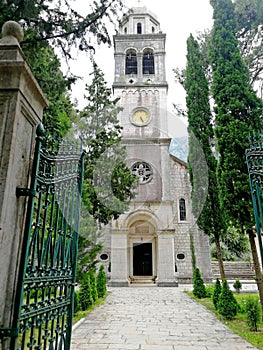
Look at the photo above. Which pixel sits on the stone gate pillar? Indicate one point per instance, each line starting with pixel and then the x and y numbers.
pixel 21 108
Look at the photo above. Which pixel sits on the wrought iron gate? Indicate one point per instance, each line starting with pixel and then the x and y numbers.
pixel 254 159
pixel 48 269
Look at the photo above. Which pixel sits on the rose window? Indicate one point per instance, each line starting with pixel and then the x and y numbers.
pixel 143 171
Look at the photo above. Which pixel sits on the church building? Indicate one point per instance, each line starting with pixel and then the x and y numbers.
pixel 153 241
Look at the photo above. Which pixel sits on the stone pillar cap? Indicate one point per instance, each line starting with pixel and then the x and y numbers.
pixel 12 33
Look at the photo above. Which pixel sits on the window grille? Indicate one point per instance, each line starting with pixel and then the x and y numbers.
pixel 182 210
pixel 148 63
pixel 131 63
pixel 143 171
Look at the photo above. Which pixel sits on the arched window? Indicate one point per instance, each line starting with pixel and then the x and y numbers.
pixel 131 62
pixel 182 209
pixel 139 28
pixel 148 62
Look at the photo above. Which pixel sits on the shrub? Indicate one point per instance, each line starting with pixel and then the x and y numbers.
pixel 227 304
pixel 199 287
pixel 209 290
pixel 216 293
pixel 85 294
pixel 76 302
pixel 93 285
pixel 237 285
pixel 253 313
pixel 101 282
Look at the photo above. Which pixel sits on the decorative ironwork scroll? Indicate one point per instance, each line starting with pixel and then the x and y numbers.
pixel 50 250
pixel 254 159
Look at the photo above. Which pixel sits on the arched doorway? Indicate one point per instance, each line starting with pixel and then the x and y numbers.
pixel 142 250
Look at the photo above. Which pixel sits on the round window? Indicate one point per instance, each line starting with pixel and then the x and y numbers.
pixel 143 171
pixel 180 256
pixel 104 256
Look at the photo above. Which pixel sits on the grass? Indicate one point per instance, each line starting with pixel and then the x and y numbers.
pixel 239 324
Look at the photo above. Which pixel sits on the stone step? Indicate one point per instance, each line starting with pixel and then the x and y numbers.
pixel 142 279
pixel 235 270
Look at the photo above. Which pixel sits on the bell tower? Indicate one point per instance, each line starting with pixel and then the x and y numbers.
pixel 140 76
pixel 151 241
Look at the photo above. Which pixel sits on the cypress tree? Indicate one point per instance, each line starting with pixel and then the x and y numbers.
pixel 227 304
pixel 101 282
pixel 216 293
pixel 205 197
pixel 199 290
pixel 237 112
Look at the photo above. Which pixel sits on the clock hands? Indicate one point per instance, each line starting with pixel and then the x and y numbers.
pixel 141 118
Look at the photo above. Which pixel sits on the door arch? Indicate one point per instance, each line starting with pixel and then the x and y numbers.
pixel 142 249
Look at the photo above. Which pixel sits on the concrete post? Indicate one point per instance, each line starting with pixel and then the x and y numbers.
pixel 21 107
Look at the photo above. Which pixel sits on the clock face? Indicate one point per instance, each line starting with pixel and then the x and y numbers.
pixel 141 117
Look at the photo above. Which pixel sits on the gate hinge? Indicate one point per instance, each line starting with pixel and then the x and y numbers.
pixel 25 192
pixel 9 332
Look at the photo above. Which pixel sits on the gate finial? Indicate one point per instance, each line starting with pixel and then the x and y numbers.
pixel 12 33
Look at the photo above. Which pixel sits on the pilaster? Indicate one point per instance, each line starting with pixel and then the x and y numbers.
pixel 119 258
pixel 166 263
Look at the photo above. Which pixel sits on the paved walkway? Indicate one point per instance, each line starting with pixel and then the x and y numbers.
pixel 150 318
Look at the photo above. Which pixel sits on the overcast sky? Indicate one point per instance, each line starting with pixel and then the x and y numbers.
pixel 178 18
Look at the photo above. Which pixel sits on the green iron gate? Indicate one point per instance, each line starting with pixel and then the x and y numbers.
pixel 254 159
pixel 48 270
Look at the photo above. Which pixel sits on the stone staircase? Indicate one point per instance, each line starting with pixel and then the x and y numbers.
pixel 235 270
pixel 142 279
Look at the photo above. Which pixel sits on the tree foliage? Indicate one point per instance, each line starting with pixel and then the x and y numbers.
pixel 205 196
pixel 199 290
pixel 60 24
pixel 249 18
pixel 227 304
pixel 108 184
pixel 216 293
pixel 237 112
pixel 55 25
pixel 101 282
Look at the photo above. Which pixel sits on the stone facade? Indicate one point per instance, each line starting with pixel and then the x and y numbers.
pixel 152 241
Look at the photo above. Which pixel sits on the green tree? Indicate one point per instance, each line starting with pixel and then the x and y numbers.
pixel 205 196
pixel 249 15
pixel 50 25
pixel 93 285
pixel 253 313
pixel 199 287
pixel 85 293
pixel 101 282
pixel 45 67
pixel 216 293
pixel 237 112
pixel 108 184
pixel 58 23
pixel 227 304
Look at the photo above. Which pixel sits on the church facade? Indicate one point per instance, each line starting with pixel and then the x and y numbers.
pixel 153 241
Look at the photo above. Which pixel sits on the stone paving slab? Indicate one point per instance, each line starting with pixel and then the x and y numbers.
pixel 153 319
